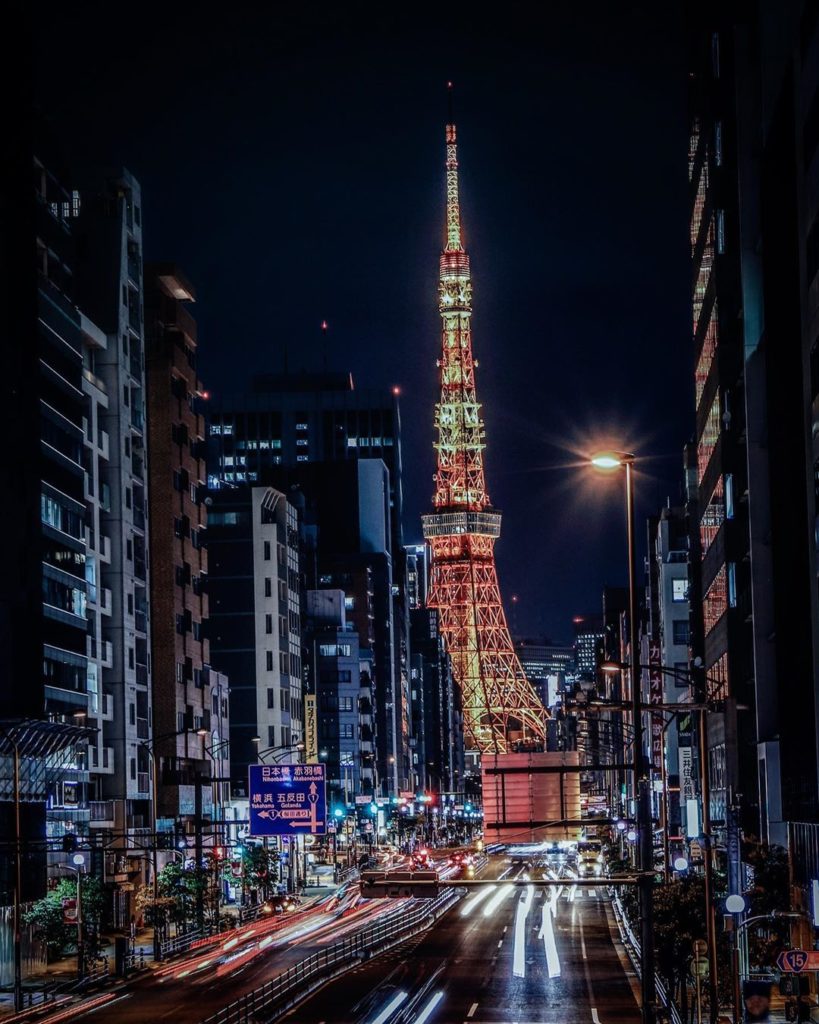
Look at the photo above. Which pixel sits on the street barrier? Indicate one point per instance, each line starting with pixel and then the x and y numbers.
pixel 632 946
pixel 275 997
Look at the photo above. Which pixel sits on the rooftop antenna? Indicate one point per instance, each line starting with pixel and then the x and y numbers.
pixel 324 343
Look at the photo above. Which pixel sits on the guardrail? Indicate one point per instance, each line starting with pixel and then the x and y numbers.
pixel 284 991
pixel 180 943
pixel 632 945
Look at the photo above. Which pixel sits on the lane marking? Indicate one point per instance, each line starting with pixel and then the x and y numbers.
pixel 595 1018
pixel 500 943
pixel 426 1012
pixel 521 914
pixel 504 928
pixel 472 1010
pixel 387 1012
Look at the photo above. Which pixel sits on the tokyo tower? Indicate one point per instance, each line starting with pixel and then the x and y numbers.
pixel 500 705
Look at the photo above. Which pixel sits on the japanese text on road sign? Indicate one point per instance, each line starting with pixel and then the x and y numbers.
pixel 287 799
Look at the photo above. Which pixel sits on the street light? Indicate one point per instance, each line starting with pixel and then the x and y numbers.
pixel 612 461
pixel 77 866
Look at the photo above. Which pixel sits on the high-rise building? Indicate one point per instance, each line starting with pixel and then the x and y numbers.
pixel 255 622
pixel 311 431
pixel 417 575
pixel 547 666
pixel 438 736
pixel 754 129
pixel 43 588
pixel 109 288
pixel 343 698
pixel 588 643
pixel 190 701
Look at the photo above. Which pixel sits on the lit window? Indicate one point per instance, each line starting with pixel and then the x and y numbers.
pixel 301 426
pixel 302 442
pixel 679 590
pixel 352 442
pixel 302 458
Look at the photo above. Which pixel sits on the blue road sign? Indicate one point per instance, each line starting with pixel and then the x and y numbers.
pixel 792 960
pixel 287 799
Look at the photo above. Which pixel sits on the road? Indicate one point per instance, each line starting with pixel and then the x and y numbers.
pixel 186 991
pixel 523 955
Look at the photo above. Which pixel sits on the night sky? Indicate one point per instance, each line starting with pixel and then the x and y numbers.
pixel 292 165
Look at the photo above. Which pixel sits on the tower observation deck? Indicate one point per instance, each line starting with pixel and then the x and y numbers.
pixel 501 709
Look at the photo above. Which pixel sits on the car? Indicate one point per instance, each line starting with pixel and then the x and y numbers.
pixel 421 860
pixel 460 858
pixel 590 858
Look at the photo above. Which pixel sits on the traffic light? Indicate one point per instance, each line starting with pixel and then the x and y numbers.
pixel 69 842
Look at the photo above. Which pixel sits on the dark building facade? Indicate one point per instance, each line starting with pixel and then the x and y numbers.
pixel 43 591
pixel 754 185
pixel 190 702
pixel 285 430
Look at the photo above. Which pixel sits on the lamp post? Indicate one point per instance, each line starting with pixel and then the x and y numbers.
pixel 76 867
pixel 609 461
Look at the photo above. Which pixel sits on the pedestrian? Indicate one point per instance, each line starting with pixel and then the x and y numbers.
pixel 756 998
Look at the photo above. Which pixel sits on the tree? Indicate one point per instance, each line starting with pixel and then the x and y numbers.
pixel 769 892
pixel 259 869
pixel 46 915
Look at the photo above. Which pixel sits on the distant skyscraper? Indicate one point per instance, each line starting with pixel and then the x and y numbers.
pixel 284 431
pixel 417 574
pixel 588 643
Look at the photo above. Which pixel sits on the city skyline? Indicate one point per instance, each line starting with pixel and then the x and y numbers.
pixel 558 233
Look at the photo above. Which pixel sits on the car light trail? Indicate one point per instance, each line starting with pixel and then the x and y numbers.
pixel 519 959
pixel 473 901
pixel 497 899
pixel 427 1010
pixel 390 1008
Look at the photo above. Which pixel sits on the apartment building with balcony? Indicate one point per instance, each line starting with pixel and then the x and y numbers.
pixel 255 622
pixel 190 700
pixel 110 291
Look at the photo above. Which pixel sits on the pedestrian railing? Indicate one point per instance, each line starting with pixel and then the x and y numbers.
pixel 632 944
pixel 278 995
pixel 135 961
pixel 180 943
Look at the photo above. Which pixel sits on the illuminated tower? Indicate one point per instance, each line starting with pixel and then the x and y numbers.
pixel 500 706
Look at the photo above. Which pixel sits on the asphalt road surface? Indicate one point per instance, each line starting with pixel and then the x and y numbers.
pixel 507 955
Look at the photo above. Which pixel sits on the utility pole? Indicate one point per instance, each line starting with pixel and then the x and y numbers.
pixel 700 688
pixel 200 892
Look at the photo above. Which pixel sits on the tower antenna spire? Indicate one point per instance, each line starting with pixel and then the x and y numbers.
pixel 453 208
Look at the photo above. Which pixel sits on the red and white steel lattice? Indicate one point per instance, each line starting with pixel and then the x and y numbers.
pixel 501 708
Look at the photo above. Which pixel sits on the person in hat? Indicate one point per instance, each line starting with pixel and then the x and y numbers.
pixel 756 998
